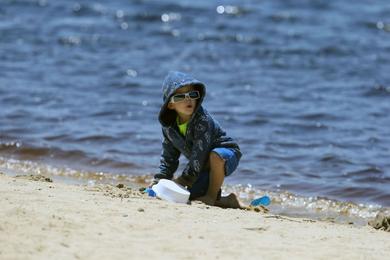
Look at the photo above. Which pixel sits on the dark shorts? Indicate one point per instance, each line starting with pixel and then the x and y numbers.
pixel 199 188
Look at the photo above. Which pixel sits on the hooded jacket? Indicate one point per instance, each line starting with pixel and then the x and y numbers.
pixel 203 132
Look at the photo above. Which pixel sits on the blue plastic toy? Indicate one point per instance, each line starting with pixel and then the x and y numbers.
pixel 263 201
pixel 150 192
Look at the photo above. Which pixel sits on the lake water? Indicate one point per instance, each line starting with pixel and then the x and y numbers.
pixel 303 86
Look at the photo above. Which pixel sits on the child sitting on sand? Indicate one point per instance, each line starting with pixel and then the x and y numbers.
pixel 190 130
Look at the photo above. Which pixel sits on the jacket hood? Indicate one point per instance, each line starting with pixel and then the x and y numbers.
pixel 172 82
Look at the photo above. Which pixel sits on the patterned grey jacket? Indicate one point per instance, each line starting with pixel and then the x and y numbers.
pixel 203 132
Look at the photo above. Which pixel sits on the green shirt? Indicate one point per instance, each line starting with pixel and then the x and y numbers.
pixel 182 127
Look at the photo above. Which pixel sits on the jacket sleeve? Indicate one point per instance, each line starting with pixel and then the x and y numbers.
pixel 169 160
pixel 200 149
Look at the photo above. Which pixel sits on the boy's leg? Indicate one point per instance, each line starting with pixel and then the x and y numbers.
pixel 216 177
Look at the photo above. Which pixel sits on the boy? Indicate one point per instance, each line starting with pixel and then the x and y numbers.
pixel 189 129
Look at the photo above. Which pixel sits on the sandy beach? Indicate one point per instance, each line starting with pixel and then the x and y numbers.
pixel 48 220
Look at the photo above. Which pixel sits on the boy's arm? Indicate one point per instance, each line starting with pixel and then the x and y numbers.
pixel 200 149
pixel 169 160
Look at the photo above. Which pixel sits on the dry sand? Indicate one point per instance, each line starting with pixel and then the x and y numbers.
pixel 44 220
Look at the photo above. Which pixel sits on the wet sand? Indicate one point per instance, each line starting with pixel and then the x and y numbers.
pixel 40 219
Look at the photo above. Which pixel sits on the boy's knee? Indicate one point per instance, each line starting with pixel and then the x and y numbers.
pixel 215 158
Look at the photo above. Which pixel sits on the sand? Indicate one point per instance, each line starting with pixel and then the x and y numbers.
pixel 40 219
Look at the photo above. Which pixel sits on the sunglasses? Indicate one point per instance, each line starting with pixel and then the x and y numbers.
pixel 194 94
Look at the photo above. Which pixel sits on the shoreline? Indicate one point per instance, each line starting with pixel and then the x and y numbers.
pixel 283 203
pixel 41 219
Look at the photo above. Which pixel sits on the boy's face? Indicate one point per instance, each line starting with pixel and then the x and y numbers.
pixel 186 107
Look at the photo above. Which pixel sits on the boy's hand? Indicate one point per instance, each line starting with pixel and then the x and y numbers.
pixel 154 182
pixel 183 182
